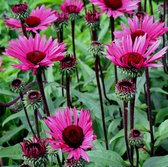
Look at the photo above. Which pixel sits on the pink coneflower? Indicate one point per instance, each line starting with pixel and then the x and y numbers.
pixel 116 8
pixel 39 19
pixel 34 148
pixel 134 56
pixel 72 6
pixel 71 133
pixel 125 90
pixel 135 138
pixel 140 26
pixel 68 62
pixel 92 18
pixel 19 8
pixel 35 52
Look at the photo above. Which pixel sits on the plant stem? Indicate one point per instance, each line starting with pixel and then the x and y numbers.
pixel 101 101
pixel 151 7
pixel 103 84
pixel 126 131
pixel 26 114
pixel 62 83
pixel 41 88
pixel 68 90
pixel 149 110
pixel 145 2
pixel 74 50
pixel 132 106
pixel 18 97
pixel 137 156
pixel 59 161
pixel 112 38
pixel 36 122
pixel 24 28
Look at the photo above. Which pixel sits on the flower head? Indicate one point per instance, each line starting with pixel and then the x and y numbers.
pixel 92 19
pixel 116 8
pixel 75 163
pixel 96 48
pixel 134 56
pixel 61 21
pixel 72 7
pixel 17 84
pixel 34 150
pixel 32 98
pixel 135 138
pixel 39 19
pixel 71 133
pixel 125 90
pixel 35 52
pixel 68 63
pixel 19 8
pixel 141 25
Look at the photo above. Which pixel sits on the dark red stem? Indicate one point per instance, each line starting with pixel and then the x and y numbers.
pixel 126 132
pixel 26 114
pixel 24 28
pixel 36 122
pixel 41 88
pixel 137 156
pixel 101 101
pixel 68 90
pixel 149 110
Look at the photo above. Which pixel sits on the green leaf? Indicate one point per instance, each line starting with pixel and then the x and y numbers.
pixel 158 90
pixel 161 161
pixel 105 158
pixel 10 134
pixel 13 152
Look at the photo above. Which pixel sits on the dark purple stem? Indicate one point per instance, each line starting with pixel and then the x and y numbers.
pixel 132 106
pixel 26 114
pixel 151 7
pixel 149 110
pixel 126 131
pixel 59 161
pixel 68 90
pixel 84 2
pixel 36 122
pixel 24 28
pixel 62 83
pixel 103 84
pixel 145 4
pixel 101 101
pixel 112 38
pixel 17 98
pixel 137 156
pixel 41 88
pixel 74 50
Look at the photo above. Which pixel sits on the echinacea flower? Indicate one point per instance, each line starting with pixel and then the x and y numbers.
pixel 141 26
pixel 92 19
pixel 32 98
pixel 71 133
pixel 20 10
pixel 135 138
pixel 17 84
pixel 116 8
pixel 75 163
pixel 35 52
pixel 34 150
pixel 68 63
pixel 61 21
pixel 72 6
pixel 133 57
pixel 39 19
pixel 125 90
